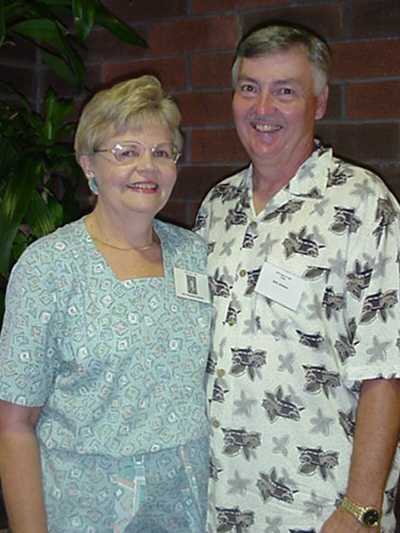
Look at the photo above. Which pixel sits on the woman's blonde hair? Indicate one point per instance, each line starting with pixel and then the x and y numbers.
pixel 126 105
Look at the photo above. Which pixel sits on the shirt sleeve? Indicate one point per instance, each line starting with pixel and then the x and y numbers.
pixel 201 225
pixel 27 344
pixel 372 292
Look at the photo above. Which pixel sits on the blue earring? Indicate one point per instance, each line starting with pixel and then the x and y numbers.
pixel 93 185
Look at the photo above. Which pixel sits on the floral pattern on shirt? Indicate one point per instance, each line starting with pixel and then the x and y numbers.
pixel 284 383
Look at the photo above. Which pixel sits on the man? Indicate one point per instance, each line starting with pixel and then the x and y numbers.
pixel 304 271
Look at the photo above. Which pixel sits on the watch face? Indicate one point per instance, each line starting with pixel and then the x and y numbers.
pixel 370 518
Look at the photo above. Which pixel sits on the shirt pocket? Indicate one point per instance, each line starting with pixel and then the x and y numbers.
pixel 318 298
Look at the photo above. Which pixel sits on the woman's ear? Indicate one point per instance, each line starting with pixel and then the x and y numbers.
pixel 85 163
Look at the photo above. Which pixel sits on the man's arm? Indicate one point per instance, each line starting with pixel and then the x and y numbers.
pixel 375 441
pixel 20 469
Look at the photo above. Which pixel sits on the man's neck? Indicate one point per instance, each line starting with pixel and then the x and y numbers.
pixel 269 179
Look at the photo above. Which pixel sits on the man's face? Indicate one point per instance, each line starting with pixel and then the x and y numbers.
pixel 275 108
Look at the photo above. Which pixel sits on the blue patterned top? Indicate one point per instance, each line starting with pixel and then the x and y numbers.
pixel 118 366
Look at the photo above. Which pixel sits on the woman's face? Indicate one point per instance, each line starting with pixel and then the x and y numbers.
pixel 143 179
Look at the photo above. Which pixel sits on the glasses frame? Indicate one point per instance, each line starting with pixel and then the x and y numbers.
pixel 152 149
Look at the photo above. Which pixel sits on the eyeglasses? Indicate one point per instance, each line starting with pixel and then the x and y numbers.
pixel 130 153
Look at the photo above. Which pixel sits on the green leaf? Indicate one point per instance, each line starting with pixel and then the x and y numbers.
pixel 55 112
pixel 45 214
pixel 15 203
pixel 118 28
pixel 2 24
pixel 84 17
pixel 40 30
pixel 62 69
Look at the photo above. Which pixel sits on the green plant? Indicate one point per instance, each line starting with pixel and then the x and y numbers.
pixel 36 153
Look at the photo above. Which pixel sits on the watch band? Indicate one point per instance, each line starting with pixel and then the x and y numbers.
pixel 367 516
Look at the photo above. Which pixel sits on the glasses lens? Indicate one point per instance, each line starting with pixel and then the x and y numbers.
pixel 125 153
pixel 129 153
pixel 164 151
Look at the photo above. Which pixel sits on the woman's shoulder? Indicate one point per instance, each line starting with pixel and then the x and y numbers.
pixel 180 235
pixel 63 243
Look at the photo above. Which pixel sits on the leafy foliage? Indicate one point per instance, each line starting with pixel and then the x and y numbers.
pixel 36 154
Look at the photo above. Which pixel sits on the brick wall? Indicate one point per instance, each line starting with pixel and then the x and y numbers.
pixel 191 45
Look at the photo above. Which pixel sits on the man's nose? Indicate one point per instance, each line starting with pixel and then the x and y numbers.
pixel 265 104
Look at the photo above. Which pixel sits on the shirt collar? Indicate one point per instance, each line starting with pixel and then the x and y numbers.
pixel 310 180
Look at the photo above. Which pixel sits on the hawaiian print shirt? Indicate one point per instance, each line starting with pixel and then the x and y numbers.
pixel 284 382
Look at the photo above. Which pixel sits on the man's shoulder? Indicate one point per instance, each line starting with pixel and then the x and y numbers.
pixel 235 180
pixel 354 178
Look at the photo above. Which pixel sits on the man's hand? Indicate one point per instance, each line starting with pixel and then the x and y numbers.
pixel 342 522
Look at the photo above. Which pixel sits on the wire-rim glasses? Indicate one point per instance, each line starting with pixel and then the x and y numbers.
pixel 130 152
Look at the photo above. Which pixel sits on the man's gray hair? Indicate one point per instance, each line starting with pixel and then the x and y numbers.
pixel 282 37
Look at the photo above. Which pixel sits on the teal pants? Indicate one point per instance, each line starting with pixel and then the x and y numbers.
pixel 161 492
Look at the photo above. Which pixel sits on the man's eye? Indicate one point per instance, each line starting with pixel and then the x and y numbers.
pixel 286 91
pixel 247 88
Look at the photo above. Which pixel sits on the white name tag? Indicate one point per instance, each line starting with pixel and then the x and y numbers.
pixel 191 285
pixel 280 286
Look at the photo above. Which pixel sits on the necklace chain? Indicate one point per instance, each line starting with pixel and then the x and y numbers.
pixel 137 248
pixel 120 248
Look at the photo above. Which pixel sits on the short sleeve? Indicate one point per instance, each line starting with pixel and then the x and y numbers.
pixel 27 344
pixel 372 293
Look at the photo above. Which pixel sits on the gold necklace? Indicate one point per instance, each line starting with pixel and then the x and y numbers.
pixel 120 248
pixel 137 248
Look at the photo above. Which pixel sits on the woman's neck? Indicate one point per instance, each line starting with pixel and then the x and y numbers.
pixel 132 233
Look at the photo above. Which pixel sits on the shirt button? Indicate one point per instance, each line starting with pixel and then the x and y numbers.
pixel 242 273
pixel 220 372
pixel 215 423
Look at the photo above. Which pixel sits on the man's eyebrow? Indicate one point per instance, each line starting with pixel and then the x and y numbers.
pixel 285 81
pixel 247 78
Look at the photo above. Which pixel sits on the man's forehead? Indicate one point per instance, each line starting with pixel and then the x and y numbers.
pixel 280 65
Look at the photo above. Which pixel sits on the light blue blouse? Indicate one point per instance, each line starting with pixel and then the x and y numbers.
pixel 118 366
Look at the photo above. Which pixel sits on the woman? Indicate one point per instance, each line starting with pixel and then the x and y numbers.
pixel 104 343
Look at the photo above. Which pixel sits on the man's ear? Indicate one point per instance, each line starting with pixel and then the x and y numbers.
pixel 322 102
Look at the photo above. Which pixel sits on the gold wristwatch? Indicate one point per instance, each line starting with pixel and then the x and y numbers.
pixel 367 516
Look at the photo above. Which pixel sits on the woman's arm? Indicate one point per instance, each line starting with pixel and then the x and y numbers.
pixel 20 470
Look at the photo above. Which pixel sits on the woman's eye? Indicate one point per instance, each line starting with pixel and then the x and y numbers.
pixel 128 153
pixel 161 153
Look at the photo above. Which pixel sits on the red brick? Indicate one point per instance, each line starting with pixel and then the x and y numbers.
pixel 363 59
pixel 194 34
pixel 334 109
pixel 205 109
pixel 102 46
pixel 170 71
pixel 194 182
pixel 325 19
pixel 17 52
pixel 211 70
pixel 390 173
pixel 375 18
pixel 374 100
pixel 138 10
pixel 180 212
pixel 204 6
pixel 22 79
pixel 93 81
pixel 362 142
pixel 217 145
